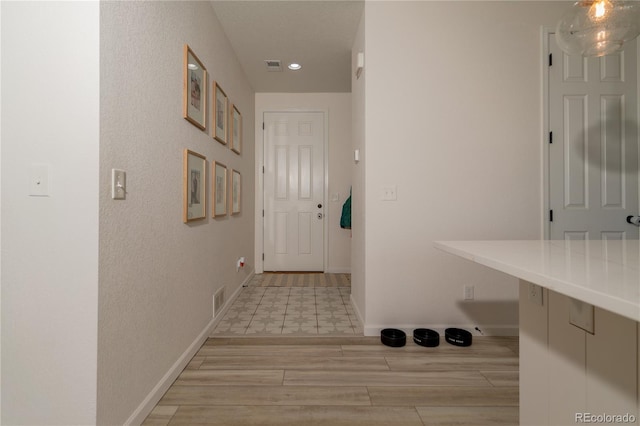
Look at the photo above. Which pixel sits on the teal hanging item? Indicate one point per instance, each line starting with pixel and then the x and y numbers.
pixel 345 219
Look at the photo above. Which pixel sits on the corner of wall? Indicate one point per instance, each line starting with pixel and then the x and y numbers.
pixel 358 171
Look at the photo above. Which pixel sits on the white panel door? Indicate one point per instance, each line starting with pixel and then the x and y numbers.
pixel 593 156
pixel 294 191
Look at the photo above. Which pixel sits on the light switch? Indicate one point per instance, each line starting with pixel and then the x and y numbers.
pixel 39 180
pixel 118 184
pixel 335 197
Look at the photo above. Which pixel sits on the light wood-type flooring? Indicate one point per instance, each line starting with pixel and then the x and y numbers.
pixel 300 279
pixel 350 381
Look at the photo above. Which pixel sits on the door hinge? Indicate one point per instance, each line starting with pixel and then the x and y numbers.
pixel 263 213
pixel 550 215
pixel 550 59
pixel 262 256
pixel 262 169
pixel 550 137
pixel 263 126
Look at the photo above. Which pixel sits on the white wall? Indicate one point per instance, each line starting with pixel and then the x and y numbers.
pixel 358 217
pixel 50 115
pixel 338 107
pixel 453 118
pixel 0 219
pixel 157 274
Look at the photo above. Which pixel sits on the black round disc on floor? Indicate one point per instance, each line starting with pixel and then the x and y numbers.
pixel 426 337
pixel 457 336
pixel 393 337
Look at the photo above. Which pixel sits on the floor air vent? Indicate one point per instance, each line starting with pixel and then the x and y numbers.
pixel 218 301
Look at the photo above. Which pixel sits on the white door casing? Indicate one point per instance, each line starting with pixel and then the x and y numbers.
pixel 294 180
pixel 593 149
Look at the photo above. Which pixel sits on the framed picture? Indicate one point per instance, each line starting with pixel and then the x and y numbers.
pixel 236 191
pixel 219 194
pixel 194 186
pixel 235 125
pixel 194 89
pixel 220 114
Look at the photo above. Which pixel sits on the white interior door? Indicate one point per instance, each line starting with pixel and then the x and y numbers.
pixel 294 191
pixel 593 154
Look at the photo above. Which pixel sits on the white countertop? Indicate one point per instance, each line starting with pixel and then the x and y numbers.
pixel 603 273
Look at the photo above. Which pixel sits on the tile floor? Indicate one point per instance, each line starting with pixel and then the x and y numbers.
pixel 299 311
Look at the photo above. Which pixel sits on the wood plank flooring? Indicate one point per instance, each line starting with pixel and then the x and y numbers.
pixel 344 381
pixel 294 279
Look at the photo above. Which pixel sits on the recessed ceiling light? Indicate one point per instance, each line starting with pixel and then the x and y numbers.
pixel 294 66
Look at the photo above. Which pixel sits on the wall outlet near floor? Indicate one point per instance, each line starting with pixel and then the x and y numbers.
pixel 218 301
pixel 389 193
pixel 535 294
pixel 581 315
pixel 468 292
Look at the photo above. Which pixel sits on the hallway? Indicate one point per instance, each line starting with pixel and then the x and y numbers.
pixel 248 372
pixel 292 304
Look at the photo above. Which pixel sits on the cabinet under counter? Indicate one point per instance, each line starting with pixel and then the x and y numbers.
pixel 572 374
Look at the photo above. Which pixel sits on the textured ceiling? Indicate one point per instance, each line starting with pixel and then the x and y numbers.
pixel 317 34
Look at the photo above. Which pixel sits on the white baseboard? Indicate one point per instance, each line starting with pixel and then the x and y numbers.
pixel 330 270
pixel 150 401
pixel 491 330
pixel 357 311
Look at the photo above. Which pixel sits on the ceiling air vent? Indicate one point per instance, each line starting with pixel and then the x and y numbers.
pixel 273 64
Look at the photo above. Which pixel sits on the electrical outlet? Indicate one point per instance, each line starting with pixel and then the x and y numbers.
pixel 535 294
pixel 389 193
pixel 468 292
pixel 581 315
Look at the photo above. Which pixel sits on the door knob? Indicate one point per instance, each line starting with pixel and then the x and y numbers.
pixel 634 220
pixel 319 206
pixel 319 215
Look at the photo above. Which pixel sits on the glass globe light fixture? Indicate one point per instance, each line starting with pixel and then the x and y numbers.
pixel 600 10
pixel 598 27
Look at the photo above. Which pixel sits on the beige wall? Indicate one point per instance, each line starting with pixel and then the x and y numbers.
pixel 453 118
pixel 338 109
pixel 157 274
